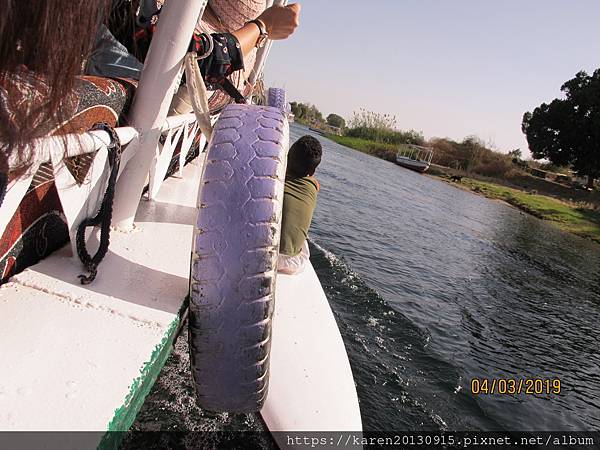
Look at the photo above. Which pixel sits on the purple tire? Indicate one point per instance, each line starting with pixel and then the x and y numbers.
pixel 277 99
pixel 234 259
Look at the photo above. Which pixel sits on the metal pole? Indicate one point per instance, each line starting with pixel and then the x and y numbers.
pixel 160 78
pixel 263 53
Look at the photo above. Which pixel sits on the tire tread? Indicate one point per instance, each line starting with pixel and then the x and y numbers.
pixel 234 258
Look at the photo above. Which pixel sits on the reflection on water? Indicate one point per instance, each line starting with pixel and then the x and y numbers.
pixel 433 286
pixel 467 288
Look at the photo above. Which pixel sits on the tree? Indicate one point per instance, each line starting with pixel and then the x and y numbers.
pixel 336 121
pixel 567 131
pixel 315 115
pixel 298 109
pixel 474 148
pixel 516 154
pixel 307 113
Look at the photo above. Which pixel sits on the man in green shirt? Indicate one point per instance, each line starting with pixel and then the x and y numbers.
pixel 299 202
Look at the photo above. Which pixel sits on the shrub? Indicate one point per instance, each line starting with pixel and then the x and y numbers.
pixel 493 164
pixel 380 128
pixel 449 153
pixel 472 155
pixel 336 121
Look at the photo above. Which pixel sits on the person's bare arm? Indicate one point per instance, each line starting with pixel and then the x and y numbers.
pixel 281 22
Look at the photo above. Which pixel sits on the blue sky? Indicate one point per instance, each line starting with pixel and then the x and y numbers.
pixel 446 68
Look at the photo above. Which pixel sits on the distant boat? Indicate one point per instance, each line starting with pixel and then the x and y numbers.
pixel 326 129
pixel 415 157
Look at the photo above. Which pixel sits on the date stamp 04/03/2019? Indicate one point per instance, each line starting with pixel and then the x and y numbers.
pixel 514 386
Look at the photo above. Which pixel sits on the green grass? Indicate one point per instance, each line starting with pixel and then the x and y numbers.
pixel 383 151
pixel 568 217
pixel 583 222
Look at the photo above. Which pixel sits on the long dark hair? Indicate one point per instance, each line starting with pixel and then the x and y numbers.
pixel 43 47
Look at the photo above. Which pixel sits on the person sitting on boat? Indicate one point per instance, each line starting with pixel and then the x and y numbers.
pixel 299 202
pixel 226 39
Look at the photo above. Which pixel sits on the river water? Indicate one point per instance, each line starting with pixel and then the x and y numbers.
pixel 433 286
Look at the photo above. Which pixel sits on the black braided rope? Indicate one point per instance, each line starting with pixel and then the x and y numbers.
pixel 104 215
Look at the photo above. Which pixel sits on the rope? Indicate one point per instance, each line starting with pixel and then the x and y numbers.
pixel 104 215
pixel 198 96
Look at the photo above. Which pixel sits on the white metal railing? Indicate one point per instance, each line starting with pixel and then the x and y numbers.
pixel 159 80
pixel 55 149
pixel 416 152
pixel 263 53
pixel 146 160
pixel 82 198
pixel 48 148
pixel 184 132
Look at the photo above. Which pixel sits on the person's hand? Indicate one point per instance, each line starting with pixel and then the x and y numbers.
pixel 281 21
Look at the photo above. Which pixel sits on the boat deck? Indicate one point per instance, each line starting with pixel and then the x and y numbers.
pixel 84 357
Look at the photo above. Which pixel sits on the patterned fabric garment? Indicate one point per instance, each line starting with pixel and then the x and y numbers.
pixel 38 226
pixel 3 184
pixel 3 177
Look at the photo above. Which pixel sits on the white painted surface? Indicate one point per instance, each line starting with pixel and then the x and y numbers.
pixel 44 149
pixel 80 200
pixel 66 365
pixel 14 194
pixel 411 163
pixel 159 81
pixel 160 166
pixel 311 383
pixel 70 352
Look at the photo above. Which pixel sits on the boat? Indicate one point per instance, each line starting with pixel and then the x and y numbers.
pixel 326 129
pixel 317 130
pixel 81 354
pixel 414 157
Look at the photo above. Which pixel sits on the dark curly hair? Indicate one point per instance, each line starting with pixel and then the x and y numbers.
pixel 304 157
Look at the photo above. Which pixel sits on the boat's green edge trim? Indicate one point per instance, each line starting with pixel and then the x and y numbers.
pixel 125 415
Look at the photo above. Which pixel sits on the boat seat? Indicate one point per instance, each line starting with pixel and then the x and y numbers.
pixel 38 227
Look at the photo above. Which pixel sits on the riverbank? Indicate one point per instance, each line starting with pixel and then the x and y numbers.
pixel 571 216
pixel 383 151
pixel 584 222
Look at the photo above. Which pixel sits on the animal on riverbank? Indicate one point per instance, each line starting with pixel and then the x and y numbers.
pixel 456 178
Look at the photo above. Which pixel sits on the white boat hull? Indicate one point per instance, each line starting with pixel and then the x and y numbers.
pixel 419 166
pixel 311 383
pixel 83 358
